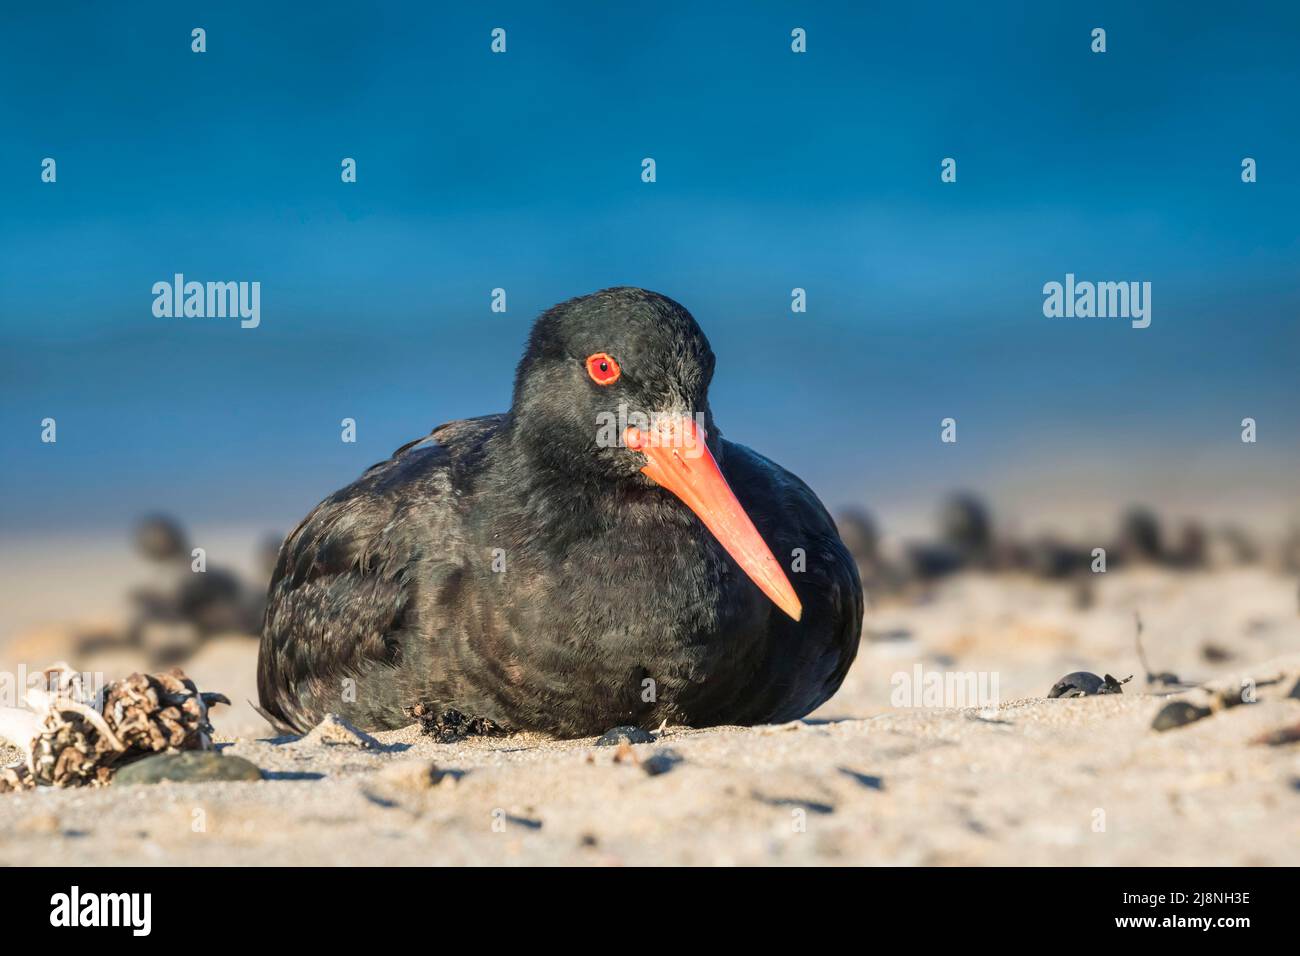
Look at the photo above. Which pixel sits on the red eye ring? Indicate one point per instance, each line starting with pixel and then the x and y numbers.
pixel 603 369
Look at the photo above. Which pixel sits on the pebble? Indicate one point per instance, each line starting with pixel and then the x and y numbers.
pixel 1178 713
pixel 186 766
pixel 1215 653
pixel 661 762
pixel 624 735
pixel 1164 679
pixel 1085 684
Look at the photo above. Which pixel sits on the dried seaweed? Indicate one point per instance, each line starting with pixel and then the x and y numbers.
pixel 449 726
pixel 13 779
pixel 156 712
pixel 77 739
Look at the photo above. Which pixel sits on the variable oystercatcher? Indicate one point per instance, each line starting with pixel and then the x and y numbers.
pixel 597 556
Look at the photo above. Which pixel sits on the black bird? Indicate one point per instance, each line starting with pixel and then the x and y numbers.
pixel 595 557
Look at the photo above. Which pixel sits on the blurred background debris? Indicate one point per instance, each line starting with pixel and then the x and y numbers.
pixel 181 605
pixel 145 602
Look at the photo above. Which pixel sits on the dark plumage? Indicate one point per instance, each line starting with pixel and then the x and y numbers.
pixel 514 568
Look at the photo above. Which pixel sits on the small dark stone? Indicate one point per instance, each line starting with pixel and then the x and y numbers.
pixel 1215 654
pixel 1178 713
pixel 624 735
pixel 186 766
pixel 1078 684
pixel 1164 679
pixel 1086 684
pixel 661 762
pixel 1295 691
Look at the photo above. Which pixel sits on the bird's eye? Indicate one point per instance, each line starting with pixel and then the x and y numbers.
pixel 602 369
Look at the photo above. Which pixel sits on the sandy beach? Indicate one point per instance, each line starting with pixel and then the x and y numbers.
pixel 1028 786
pixel 1031 781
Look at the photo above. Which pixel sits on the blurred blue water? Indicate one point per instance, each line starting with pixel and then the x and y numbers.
pixel 523 171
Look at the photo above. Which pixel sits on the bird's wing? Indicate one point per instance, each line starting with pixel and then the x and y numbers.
pixel 345 583
pixel 790 516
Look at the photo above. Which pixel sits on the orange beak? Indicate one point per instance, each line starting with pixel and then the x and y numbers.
pixel 680 461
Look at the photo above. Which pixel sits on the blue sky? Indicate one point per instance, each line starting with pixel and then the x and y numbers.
pixel 522 171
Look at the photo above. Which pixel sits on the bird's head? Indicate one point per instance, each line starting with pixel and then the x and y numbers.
pixel 613 388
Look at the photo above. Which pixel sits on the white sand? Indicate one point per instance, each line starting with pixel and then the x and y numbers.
pixel 1035 782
